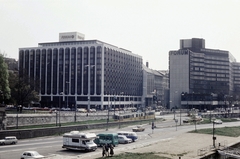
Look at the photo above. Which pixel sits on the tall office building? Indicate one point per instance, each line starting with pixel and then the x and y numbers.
pixel 200 73
pixel 84 73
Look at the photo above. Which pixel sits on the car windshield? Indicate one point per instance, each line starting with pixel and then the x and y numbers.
pixel 89 141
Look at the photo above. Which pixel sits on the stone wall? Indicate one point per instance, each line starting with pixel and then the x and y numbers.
pixel 36 119
pixel 14 120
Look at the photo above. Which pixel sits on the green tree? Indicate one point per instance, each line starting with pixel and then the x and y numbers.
pixel 4 85
pixel 24 89
pixel 13 82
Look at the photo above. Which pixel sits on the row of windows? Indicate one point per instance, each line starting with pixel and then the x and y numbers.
pixel 216 62
pixel 209 74
pixel 67 43
pixel 194 54
pixel 214 51
pixel 217 66
pixel 197 73
pixel 236 71
pixel 122 72
pixel 217 58
pixel 58 66
pixel 217 71
pixel 217 79
pixel 198 68
pixel 198 64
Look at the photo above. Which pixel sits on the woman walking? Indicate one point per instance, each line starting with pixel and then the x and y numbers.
pixel 111 150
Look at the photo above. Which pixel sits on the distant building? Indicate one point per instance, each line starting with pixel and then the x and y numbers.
pixel 155 87
pixel 204 76
pixel 85 73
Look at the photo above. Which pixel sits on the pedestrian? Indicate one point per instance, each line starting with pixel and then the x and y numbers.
pixel 104 153
pixel 107 148
pixel 111 150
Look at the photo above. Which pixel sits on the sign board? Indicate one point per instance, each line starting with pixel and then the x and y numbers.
pixel 71 36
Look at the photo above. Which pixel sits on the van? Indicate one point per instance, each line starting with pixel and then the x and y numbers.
pixel 131 135
pixel 9 140
pixel 76 140
pixel 106 138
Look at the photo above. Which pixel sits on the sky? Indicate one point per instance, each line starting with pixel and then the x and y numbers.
pixel 149 28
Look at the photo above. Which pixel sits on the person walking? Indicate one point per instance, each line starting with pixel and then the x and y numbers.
pixel 104 153
pixel 107 148
pixel 111 150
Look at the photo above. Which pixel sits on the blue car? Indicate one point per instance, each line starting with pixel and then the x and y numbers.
pixel 130 135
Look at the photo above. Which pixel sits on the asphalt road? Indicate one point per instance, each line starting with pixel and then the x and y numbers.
pixel 50 146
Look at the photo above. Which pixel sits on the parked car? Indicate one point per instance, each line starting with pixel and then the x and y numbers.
pixel 9 140
pixel 218 121
pixel 138 129
pixel 31 154
pixel 131 135
pixel 92 110
pixel 122 139
pixel 186 120
pixel 82 110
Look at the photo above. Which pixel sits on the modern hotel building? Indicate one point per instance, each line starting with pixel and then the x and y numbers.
pixel 84 73
pixel 200 77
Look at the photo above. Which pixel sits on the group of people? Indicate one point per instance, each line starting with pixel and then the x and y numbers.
pixel 106 148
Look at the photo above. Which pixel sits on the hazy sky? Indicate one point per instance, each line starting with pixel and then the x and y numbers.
pixel 149 28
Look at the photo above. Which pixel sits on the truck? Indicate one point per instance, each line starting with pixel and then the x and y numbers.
pixel 76 140
pixel 9 140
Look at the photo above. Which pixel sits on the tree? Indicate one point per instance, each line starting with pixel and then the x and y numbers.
pixel 4 85
pixel 24 89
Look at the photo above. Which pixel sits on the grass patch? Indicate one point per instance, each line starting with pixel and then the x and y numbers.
pixel 207 120
pixel 128 155
pixel 225 131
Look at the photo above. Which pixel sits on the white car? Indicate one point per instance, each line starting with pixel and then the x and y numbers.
pixel 9 140
pixel 218 121
pixel 122 139
pixel 31 154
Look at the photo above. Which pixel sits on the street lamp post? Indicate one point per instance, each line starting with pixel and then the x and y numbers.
pixel 67 83
pixel 108 116
pixel 59 121
pixel 75 117
pixel 89 69
pixel 214 138
pixel 119 110
pixel 113 93
pixel 56 116
pixel 192 99
pixel 17 115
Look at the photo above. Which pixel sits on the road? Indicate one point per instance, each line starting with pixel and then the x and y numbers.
pixel 50 146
